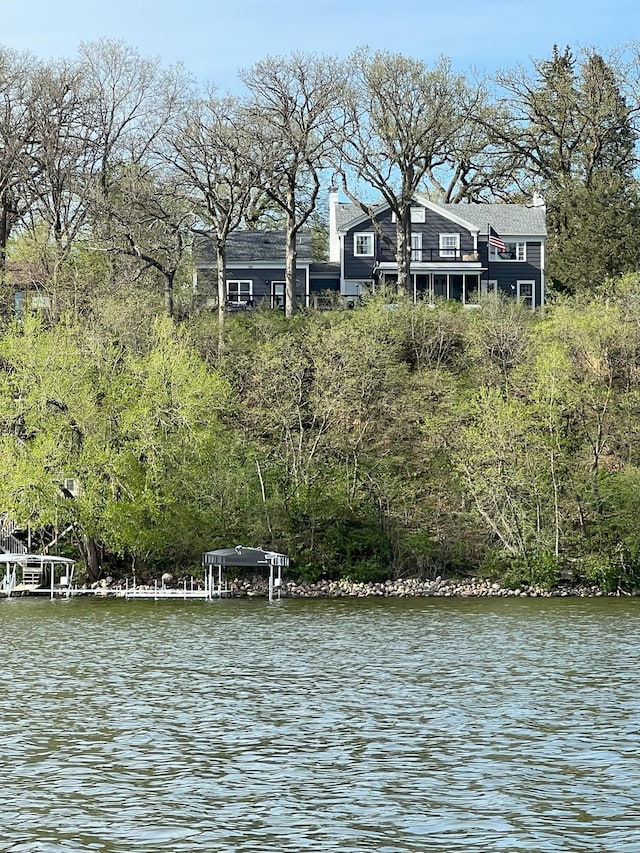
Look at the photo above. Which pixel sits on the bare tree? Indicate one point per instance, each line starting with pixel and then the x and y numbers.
pixel 92 117
pixel 209 149
pixel 149 221
pixel 61 163
pixel 479 166
pixel 290 106
pixel 400 122
pixel 130 100
pixel 16 138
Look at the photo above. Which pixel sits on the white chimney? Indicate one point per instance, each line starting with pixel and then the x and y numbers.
pixel 334 239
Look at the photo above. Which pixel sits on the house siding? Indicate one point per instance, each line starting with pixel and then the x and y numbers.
pixel 361 268
pixel 505 273
pixel 261 280
pixel 508 273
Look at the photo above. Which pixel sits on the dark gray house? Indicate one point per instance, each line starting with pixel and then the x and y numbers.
pixel 256 270
pixel 458 251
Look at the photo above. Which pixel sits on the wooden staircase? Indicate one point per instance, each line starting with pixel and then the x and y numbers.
pixel 9 543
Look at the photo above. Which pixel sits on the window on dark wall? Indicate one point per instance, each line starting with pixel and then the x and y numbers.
pixel 239 290
pixel 363 245
pixel 514 251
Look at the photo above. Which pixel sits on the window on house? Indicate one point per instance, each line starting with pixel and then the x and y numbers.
pixel 449 245
pixel 489 288
pixel 33 301
pixel 278 291
pixel 416 247
pixel 239 290
pixel 524 292
pixel 515 251
pixel 363 245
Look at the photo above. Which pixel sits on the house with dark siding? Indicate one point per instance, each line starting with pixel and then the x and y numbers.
pixel 256 270
pixel 452 257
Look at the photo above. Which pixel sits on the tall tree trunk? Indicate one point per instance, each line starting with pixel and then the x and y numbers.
pixel 403 237
pixel 290 274
pixel 4 238
pixel 92 559
pixel 221 263
pixel 168 295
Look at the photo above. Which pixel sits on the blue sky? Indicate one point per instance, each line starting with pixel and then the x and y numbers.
pixel 213 39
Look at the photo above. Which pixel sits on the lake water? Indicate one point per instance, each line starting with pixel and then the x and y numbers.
pixel 320 725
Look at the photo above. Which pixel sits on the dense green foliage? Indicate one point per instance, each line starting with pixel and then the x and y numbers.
pixel 369 443
pixel 388 440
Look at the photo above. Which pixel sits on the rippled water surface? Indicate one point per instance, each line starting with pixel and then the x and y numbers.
pixel 412 725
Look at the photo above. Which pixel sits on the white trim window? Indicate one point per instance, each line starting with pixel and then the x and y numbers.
pixel 489 288
pixel 525 291
pixel 449 245
pixel 416 247
pixel 515 251
pixel 278 292
pixel 363 244
pixel 239 290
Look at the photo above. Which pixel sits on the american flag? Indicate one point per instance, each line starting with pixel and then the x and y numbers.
pixel 496 241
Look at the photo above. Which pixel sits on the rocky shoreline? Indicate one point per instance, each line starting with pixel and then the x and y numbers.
pixel 258 587
pixel 417 588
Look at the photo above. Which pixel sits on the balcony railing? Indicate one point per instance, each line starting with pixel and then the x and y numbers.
pixel 434 256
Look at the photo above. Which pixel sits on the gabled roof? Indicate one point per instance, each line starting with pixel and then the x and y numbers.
pixel 253 246
pixel 507 219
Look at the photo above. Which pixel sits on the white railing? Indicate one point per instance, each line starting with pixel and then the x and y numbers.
pixel 10 544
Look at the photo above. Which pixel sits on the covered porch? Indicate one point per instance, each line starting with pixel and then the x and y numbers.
pixel 429 285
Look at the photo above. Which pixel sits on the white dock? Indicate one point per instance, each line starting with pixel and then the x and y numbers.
pixel 194 591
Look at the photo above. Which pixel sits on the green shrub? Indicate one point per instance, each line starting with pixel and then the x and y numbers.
pixel 357 549
pixel 367 571
pixel 619 569
pixel 541 570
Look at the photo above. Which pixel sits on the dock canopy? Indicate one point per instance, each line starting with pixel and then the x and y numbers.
pixel 244 557
pixel 35 574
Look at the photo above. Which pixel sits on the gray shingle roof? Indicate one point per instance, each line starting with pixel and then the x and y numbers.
pixel 253 246
pixel 518 220
pixel 345 212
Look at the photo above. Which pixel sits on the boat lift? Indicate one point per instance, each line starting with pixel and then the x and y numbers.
pixel 246 558
pixel 36 574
